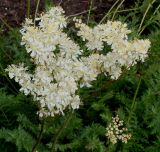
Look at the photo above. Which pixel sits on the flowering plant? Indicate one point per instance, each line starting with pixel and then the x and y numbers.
pixel 116 131
pixel 61 68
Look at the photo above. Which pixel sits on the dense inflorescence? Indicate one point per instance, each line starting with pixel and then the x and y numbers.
pixel 60 67
pixel 116 131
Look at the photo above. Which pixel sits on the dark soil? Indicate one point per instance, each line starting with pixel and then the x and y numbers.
pixel 13 12
pixel 73 7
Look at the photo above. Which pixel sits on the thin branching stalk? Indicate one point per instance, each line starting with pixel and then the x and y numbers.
pixel 109 12
pixel 127 10
pixel 9 27
pixel 39 137
pixel 68 118
pixel 143 18
pixel 28 8
pixel 77 14
pixel 89 13
pixel 117 9
pixel 134 100
pixel 6 24
pixel 35 15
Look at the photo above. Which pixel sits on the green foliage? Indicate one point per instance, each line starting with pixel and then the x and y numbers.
pixel 135 97
pixel 18 136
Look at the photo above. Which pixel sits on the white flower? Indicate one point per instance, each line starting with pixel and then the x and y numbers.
pixel 61 68
pixel 115 131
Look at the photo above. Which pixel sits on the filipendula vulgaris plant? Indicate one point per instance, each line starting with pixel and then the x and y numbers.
pixel 59 74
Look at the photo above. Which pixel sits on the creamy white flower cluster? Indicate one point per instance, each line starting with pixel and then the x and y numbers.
pixel 124 52
pixel 116 131
pixel 61 67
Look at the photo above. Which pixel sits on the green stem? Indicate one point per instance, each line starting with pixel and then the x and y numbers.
pixel 9 27
pixel 39 137
pixel 117 9
pixel 36 12
pixel 156 10
pixel 28 8
pixel 109 11
pixel 149 6
pixel 89 13
pixel 68 118
pixel 6 24
pixel 127 10
pixel 134 100
pixel 121 11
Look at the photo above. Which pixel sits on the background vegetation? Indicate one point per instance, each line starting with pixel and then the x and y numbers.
pixel 135 96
